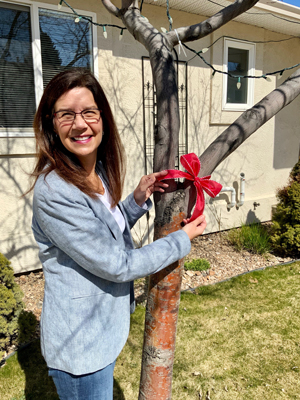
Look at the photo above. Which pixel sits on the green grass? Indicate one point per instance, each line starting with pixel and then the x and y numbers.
pixel 198 264
pixel 254 238
pixel 238 339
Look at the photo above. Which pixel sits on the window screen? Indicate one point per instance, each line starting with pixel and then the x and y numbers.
pixel 64 43
pixel 238 66
pixel 17 95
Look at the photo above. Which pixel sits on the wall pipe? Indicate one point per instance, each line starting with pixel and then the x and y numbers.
pixel 233 196
pixel 242 190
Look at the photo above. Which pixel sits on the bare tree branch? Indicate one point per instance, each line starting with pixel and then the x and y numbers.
pixel 126 5
pixel 111 7
pixel 249 122
pixel 198 31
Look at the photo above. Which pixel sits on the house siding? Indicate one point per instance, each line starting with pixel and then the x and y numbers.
pixel 266 158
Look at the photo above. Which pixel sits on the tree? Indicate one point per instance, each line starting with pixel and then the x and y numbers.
pixel 172 207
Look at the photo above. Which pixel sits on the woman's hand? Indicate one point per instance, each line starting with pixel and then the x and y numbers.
pixel 194 228
pixel 149 184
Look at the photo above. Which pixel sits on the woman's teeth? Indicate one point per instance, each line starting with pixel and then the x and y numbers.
pixel 81 138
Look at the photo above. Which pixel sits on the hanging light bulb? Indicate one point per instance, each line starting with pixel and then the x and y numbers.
pixel 121 34
pixel 238 85
pixel 59 6
pixel 171 20
pixel 77 19
pixel 104 32
pixel 205 50
pixel 267 78
pixel 280 74
pixel 164 30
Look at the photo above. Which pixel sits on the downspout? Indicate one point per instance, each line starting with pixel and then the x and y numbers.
pixel 242 189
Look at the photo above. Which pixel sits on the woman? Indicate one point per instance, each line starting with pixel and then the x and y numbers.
pixel 83 233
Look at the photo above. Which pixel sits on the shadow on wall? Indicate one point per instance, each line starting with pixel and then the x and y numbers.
pixel 17 242
pixel 39 386
pixel 252 218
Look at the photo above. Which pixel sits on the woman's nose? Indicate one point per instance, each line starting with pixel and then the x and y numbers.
pixel 79 122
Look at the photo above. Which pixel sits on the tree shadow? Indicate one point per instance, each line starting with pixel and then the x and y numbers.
pixel 38 385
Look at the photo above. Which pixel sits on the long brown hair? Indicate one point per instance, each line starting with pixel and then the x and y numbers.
pixel 52 155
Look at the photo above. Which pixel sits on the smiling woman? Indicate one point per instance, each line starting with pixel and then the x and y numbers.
pixel 83 232
pixel 78 123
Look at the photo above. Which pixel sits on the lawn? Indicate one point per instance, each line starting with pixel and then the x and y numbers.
pixel 238 339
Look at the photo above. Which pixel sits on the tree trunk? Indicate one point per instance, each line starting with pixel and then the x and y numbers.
pixel 173 206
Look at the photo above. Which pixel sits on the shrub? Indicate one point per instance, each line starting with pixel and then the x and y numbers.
pixel 199 264
pixel 253 237
pixel 16 325
pixel 285 233
pixel 10 304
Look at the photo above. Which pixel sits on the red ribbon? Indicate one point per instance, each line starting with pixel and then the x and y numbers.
pixel 192 164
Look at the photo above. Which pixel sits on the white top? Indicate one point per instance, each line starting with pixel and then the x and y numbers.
pixel 115 211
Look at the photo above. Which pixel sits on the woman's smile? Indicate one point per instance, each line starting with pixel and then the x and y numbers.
pixel 81 139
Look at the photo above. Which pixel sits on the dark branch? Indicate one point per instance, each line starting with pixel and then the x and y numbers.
pixel 198 31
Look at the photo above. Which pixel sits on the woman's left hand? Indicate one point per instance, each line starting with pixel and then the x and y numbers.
pixel 149 184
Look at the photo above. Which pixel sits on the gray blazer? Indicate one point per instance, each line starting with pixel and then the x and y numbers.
pixel 89 266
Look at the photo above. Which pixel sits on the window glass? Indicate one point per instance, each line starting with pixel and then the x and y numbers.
pixel 64 43
pixel 238 66
pixel 17 95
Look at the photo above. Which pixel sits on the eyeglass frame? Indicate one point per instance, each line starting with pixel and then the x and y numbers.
pixel 76 113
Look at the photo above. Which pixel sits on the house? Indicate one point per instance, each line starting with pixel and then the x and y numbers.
pixel 39 39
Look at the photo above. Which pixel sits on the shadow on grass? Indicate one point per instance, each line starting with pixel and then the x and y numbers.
pixel 39 386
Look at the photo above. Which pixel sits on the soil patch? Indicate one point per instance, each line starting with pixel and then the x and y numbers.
pixel 225 262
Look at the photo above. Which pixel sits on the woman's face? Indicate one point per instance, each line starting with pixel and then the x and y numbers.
pixel 80 136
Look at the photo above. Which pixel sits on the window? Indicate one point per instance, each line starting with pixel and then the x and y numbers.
pixel 239 59
pixel 17 97
pixel 35 44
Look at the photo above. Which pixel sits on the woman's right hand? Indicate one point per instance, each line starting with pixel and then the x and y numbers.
pixel 194 228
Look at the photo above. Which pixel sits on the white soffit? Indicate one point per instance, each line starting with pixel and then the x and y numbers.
pixel 273 15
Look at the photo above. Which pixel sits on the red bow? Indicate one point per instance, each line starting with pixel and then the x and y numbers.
pixel 192 164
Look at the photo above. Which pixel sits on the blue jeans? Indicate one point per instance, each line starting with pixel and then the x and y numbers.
pixel 95 386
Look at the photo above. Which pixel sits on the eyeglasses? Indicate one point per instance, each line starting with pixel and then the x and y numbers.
pixel 68 117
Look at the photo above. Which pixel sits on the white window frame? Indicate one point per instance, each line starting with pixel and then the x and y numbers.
pixel 239 44
pixel 37 54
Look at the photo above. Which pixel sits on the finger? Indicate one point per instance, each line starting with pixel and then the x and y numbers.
pixel 159 174
pixel 161 184
pixel 199 219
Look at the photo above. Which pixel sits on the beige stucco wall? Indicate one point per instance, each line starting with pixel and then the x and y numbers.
pixel 266 158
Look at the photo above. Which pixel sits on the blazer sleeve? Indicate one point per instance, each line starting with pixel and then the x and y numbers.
pixel 70 224
pixel 133 211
